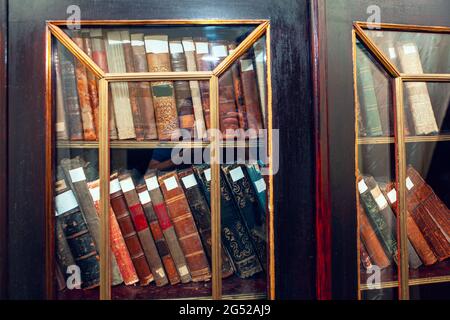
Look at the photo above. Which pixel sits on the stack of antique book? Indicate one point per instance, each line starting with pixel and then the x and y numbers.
pixel 156 110
pixel 428 223
pixel 160 224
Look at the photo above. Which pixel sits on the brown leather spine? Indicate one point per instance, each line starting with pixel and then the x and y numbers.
pixel 238 91
pixel 87 115
pixel 364 257
pixel 181 217
pixel 203 59
pixel 145 100
pixel 158 59
pixel 132 86
pixel 370 240
pixel 158 236
pixel 182 90
pixel 130 236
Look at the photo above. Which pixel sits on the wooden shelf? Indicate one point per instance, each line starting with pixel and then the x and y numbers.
pixel 408 139
pixel 154 144
pixel 437 273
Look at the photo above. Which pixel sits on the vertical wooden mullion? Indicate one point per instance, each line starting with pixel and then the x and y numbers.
pixel 105 264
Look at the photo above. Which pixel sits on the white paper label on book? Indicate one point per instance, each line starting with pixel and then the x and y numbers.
pixel 381 201
pixel 175 47
pixel 144 197
pixel 219 51
pixel 127 184
pixel 201 47
pixel 95 193
pixel 114 186
pixel 260 185
pixel 409 184
pixel 236 174
pixel 208 174
pixel 60 126
pixel 188 45
pixel 65 202
pixel 189 181
pixel 392 195
pixel 246 65
pixel 409 49
pixel 392 53
pixel 362 186
pixel 171 183
pixel 77 175
pixel 152 183
pixel 156 45
pixel 137 43
pixel 260 57
pixel 160 272
pixel 183 271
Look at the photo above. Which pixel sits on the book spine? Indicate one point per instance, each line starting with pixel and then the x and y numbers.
pixel 132 86
pixel 252 214
pixel 259 184
pixel 63 254
pixel 368 99
pixel 119 90
pixel 70 94
pixel 235 236
pixel 77 234
pixel 160 210
pixel 87 115
pixel 185 228
pixel 202 216
pixel 183 96
pixel 189 51
pixel 158 236
pixel 238 92
pixel 129 233
pixel 260 62
pixel 99 57
pixel 118 245
pixel 203 60
pixel 145 100
pixel 364 257
pixel 61 121
pixel 142 229
pixel 158 60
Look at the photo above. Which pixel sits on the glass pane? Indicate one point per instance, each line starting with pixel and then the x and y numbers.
pixel 77 229
pixel 414 52
pixel 374 107
pixel 428 216
pixel 427 109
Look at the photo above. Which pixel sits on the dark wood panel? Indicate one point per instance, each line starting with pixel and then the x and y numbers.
pixel 3 152
pixel 339 89
pixel 293 115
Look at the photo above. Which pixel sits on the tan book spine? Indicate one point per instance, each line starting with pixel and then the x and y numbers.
pixel 61 122
pixel 260 62
pixel 203 59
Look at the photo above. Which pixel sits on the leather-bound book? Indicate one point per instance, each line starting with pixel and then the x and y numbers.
pixel 250 89
pixel 60 278
pixel 364 257
pixel 371 242
pixel 252 214
pixel 76 178
pixel 235 236
pixel 142 229
pixel 92 80
pixel 132 86
pixel 260 63
pixel 202 216
pixel 258 182
pixel 414 234
pixel 158 59
pixel 77 234
pixel 391 221
pixel 61 121
pixel 144 96
pixel 158 236
pixel 160 209
pixel 64 256
pixel 130 236
pixel 228 115
pixel 119 90
pixel 118 246
pixel 183 96
pixel 70 94
pixel 238 91
pixel 377 220
pixel 418 98
pixel 185 228
pixel 87 115
pixel 203 59
pixel 99 57
pixel 189 51
pixel 366 92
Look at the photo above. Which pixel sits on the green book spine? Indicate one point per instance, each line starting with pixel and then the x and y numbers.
pixel 259 184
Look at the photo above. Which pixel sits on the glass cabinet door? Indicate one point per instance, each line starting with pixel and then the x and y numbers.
pixel 142 120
